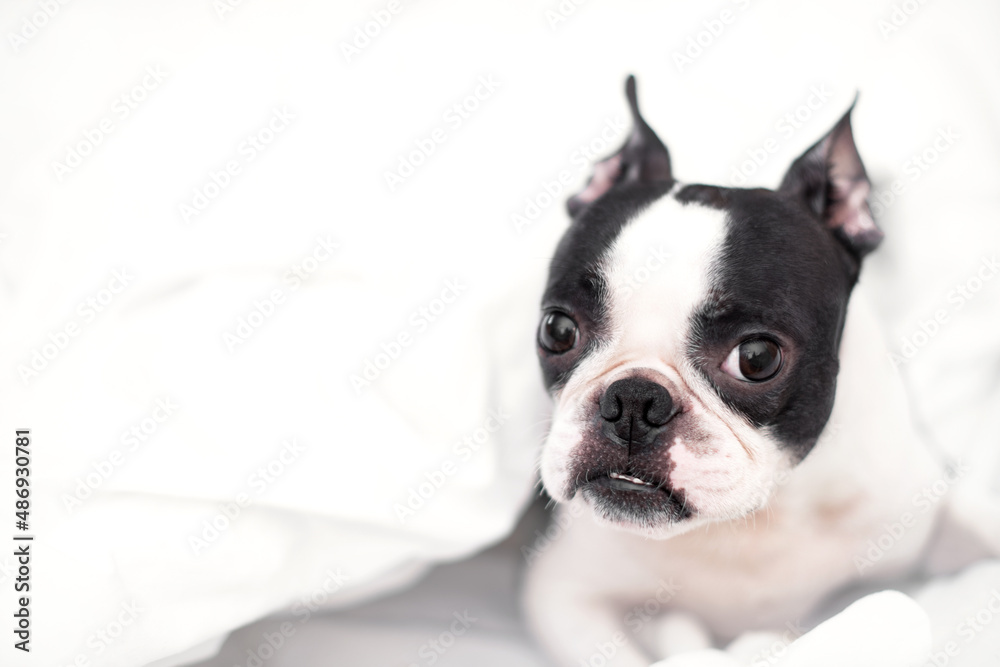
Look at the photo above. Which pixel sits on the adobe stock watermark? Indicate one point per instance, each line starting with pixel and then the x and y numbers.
pixel 218 180
pixel 923 501
pixel 772 654
pixel 781 478
pixel 961 294
pixel 41 357
pixel 224 8
pixel 636 619
pixel 432 650
pixel 31 24
pixel 638 616
pixel 786 126
pixel 463 451
pixel 306 606
pixel 976 623
pixel 264 308
pixel 257 483
pixel 561 12
pixel 655 260
pixel 419 322
pixel 968 629
pixel 454 117
pixel 898 17
pixel 101 639
pixel 551 190
pixel 122 107
pixel 270 642
pixel 560 523
pixel 712 29
pixel 913 169
pixel 131 440
pixel 364 34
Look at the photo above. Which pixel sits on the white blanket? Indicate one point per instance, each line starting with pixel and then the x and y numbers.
pixel 269 284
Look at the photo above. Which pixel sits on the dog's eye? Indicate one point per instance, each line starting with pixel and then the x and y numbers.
pixel 558 333
pixel 754 360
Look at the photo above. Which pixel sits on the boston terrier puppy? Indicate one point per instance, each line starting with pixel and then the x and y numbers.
pixel 727 439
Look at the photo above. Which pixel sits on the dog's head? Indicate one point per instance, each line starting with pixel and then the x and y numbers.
pixel 689 333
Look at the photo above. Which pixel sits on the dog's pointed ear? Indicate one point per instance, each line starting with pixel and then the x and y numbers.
pixel 831 180
pixel 643 158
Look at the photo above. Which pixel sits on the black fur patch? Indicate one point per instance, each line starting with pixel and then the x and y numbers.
pixel 780 274
pixel 576 284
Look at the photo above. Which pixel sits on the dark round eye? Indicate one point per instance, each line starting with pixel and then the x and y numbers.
pixel 558 332
pixel 754 360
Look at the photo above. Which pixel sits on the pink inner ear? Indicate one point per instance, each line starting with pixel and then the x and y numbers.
pixel 849 207
pixel 605 175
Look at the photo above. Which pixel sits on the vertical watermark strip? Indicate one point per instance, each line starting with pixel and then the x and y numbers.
pixel 22 542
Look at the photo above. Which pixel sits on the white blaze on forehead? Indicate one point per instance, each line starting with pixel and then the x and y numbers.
pixel 657 273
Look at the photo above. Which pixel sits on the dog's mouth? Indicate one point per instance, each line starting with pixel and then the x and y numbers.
pixel 622 482
pixel 635 499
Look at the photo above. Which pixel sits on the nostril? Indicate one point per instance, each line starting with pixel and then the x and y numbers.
pixel 611 406
pixel 659 409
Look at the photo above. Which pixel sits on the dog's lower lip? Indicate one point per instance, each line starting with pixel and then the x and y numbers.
pixel 624 499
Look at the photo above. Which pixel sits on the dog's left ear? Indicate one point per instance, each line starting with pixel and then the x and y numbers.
pixel 831 180
pixel 643 158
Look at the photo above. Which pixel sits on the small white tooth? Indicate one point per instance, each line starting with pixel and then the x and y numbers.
pixel 627 478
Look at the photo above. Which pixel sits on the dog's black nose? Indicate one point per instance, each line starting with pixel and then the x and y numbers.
pixel 634 409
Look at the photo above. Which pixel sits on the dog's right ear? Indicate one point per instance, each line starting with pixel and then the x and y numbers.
pixel 643 158
pixel 831 181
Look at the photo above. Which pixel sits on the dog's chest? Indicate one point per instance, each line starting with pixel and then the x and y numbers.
pixel 763 572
